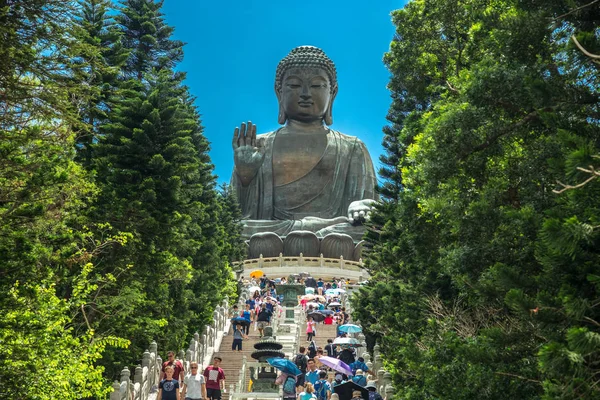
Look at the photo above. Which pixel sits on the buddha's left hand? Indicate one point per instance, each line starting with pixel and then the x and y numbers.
pixel 359 210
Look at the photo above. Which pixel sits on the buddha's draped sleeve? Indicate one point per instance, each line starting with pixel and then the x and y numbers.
pixel 360 180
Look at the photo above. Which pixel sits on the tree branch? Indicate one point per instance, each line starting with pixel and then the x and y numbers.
pixel 518 376
pixel 595 57
pixel 576 9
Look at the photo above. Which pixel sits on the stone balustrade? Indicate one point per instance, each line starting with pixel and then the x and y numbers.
pixel 315 266
pixel 146 376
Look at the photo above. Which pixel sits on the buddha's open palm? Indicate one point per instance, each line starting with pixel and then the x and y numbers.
pixel 248 155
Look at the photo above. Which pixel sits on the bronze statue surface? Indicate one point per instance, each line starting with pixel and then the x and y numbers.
pixel 304 176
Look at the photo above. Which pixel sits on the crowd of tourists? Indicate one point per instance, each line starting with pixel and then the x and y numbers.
pixel 330 372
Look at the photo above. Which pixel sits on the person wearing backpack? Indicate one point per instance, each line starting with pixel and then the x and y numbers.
pixel 301 361
pixel 330 349
pixel 322 387
pixel 289 385
pixel 312 349
pixel 360 378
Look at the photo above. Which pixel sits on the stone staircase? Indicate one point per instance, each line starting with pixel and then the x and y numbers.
pixel 233 360
pixel 324 332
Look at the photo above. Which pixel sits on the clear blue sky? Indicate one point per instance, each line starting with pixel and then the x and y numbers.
pixel 233 48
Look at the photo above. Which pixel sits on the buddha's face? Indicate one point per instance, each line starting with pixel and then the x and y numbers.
pixel 305 94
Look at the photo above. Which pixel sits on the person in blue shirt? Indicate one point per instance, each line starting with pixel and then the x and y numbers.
pixel 320 286
pixel 358 364
pixel 312 375
pixel 322 387
pixel 247 314
pixel 251 303
pixel 360 378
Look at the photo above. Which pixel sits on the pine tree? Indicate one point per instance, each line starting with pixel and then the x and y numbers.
pixel 148 37
pixel 99 57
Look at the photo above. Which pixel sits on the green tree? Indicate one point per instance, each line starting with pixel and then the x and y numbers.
pixel 479 265
pixel 148 37
pixel 44 353
pixel 98 58
pixel 156 183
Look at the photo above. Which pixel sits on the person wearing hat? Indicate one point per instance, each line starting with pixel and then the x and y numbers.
pixel 357 395
pixel 373 395
pixel 360 378
pixel 338 380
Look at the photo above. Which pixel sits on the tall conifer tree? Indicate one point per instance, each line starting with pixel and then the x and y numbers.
pixel 148 37
pixel 157 184
pixel 98 59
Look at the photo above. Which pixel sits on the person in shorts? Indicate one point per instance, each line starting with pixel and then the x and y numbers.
pixel 215 379
pixel 263 318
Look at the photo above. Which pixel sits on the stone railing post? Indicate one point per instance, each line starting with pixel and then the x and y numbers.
pixel 154 369
pixel 371 368
pixel 366 355
pixel 375 354
pixel 158 365
pixel 116 393
pixel 197 348
pixel 380 384
pixel 204 348
pixel 138 379
pixel 125 387
pixel 216 321
pixel 389 392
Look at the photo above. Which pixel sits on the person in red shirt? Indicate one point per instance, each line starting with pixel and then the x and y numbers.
pixel 178 372
pixel 215 380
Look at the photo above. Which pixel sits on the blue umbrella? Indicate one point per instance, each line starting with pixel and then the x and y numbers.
pixel 240 321
pixel 350 328
pixel 284 365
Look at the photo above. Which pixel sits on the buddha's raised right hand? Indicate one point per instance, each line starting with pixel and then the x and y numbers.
pixel 248 155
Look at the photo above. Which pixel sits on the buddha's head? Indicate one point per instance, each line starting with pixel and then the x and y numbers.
pixel 306 86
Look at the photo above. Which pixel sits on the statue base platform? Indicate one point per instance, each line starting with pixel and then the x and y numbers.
pixel 305 243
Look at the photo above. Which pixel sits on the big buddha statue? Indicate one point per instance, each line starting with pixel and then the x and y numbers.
pixel 303 176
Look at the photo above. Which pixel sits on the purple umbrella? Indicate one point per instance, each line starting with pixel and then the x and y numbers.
pixel 336 364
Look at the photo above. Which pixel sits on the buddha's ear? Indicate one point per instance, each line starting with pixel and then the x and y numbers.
pixel 329 113
pixel 281 117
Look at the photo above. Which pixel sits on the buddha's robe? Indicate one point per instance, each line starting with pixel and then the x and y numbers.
pixel 317 201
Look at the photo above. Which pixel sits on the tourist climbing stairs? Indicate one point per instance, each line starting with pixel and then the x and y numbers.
pixel 233 360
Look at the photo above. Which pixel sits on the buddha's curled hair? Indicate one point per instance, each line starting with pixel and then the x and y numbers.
pixel 306 57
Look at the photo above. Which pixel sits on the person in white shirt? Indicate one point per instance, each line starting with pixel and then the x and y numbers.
pixel 194 385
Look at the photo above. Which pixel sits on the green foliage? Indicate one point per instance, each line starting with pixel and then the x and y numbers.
pixel 98 57
pixel 485 277
pixel 112 233
pixel 42 355
pixel 148 37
